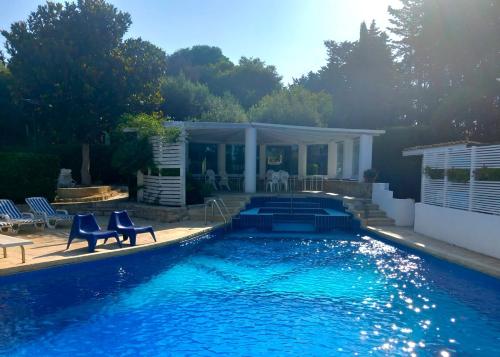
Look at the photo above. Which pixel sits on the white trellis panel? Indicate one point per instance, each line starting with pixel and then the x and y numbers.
pixel 167 190
pixel 473 195
pixel 168 155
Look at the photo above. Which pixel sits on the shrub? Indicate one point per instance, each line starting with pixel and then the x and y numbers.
pixel 434 174
pixel 487 174
pixel 172 172
pixel 458 175
pixel 196 190
pixel 28 174
pixel 370 175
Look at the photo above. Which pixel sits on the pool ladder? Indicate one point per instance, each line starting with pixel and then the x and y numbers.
pixel 221 207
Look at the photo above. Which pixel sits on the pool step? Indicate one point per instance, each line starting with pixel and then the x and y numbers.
pixel 368 212
pixel 378 221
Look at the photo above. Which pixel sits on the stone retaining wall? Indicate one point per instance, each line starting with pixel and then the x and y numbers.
pixel 150 212
pixel 349 188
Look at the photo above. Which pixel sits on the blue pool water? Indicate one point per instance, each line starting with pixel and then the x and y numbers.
pixel 247 293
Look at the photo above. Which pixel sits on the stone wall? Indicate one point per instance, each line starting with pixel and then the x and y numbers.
pixel 139 210
pixel 348 188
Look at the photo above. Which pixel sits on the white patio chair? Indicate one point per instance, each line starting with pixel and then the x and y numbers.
pixel 210 179
pixel 274 184
pixel 268 181
pixel 283 179
pixel 224 182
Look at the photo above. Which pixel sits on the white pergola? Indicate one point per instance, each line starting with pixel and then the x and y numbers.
pixel 254 135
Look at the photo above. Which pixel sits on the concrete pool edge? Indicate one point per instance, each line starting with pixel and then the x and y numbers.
pixel 100 255
pixel 442 250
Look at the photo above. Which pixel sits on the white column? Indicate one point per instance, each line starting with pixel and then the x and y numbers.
pixel 365 155
pixel 263 161
pixel 250 160
pixel 348 152
pixel 302 160
pixel 221 159
pixel 332 159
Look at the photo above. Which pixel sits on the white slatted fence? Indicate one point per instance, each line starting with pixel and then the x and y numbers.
pixel 169 186
pixel 473 193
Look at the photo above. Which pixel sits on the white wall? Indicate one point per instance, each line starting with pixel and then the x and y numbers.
pixel 401 210
pixel 478 232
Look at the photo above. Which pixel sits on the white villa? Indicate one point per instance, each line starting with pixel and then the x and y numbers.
pixel 242 154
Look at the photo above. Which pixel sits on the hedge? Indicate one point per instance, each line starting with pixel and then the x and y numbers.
pixel 101 170
pixel 28 174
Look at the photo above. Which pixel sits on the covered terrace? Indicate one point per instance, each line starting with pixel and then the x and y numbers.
pixel 244 152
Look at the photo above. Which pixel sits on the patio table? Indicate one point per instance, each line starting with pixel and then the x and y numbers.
pixel 7 242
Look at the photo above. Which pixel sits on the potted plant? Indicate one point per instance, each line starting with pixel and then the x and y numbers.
pixel 458 175
pixel 370 175
pixel 487 174
pixel 434 174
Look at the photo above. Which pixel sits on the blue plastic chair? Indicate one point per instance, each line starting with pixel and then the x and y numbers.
pixel 85 227
pixel 120 221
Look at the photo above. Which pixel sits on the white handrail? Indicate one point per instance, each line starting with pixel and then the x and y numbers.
pixel 223 204
pixel 214 202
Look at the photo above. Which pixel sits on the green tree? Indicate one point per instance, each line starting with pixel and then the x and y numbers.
pixel 11 119
pixel 145 66
pixel 450 59
pixel 369 98
pixel 294 106
pixel 224 109
pixel 71 64
pixel 362 78
pixel 186 100
pixel 249 81
pixel 199 64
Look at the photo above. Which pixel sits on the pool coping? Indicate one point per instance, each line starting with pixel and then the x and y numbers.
pixel 407 237
pixel 100 255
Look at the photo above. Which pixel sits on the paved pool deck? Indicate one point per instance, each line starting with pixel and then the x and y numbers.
pixel 49 246
pixel 452 253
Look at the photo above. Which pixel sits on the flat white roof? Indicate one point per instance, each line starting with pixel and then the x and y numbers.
pixel 420 150
pixel 217 132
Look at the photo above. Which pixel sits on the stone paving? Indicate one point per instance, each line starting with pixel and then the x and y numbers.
pixel 406 236
pixel 49 246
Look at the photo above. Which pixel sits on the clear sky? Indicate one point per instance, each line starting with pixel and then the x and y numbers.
pixel 286 33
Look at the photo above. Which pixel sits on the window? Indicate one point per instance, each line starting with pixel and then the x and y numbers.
pixel 235 159
pixel 280 157
pixel 317 159
pixel 202 157
pixel 340 159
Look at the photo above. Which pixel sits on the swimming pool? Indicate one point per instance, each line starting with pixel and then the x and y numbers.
pixel 289 214
pixel 254 293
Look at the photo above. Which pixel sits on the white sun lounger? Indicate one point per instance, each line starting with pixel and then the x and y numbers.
pixel 8 242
